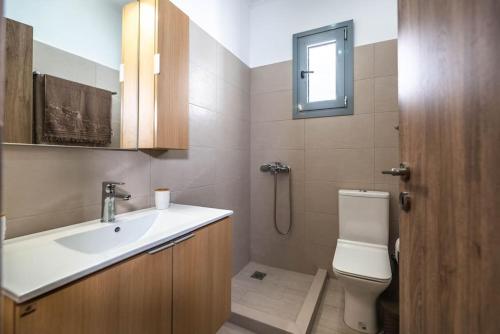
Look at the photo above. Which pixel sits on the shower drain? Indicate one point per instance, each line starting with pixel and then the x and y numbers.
pixel 258 275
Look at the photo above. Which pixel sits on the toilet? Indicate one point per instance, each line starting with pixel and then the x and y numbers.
pixel 361 262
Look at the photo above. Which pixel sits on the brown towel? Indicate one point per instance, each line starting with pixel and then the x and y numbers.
pixel 67 112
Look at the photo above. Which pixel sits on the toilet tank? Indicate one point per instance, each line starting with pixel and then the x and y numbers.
pixel 364 216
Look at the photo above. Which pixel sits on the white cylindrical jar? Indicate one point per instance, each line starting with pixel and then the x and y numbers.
pixel 162 198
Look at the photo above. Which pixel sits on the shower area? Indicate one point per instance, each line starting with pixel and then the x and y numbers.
pixel 269 298
pixel 296 168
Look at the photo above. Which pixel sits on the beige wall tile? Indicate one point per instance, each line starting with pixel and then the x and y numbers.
pixel 202 196
pixel 385 159
pixel 363 62
pixel 363 96
pixel 322 229
pixel 202 48
pixel 272 106
pixel 232 101
pixel 339 132
pixel 323 197
pixel 386 94
pixel 202 127
pixel 278 135
pixel 232 132
pixel 272 78
pixel 231 69
pixel 232 165
pixel 202 87
pixel 386 58
pixel 69 177
pixel 320 256
pixel 386 134
pixel 351 165
pixel 179 170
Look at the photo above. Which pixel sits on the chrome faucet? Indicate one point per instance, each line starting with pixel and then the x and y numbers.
pixel 109 193
pixel 275 168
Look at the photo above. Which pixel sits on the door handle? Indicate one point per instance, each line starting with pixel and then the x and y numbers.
pixel 403 171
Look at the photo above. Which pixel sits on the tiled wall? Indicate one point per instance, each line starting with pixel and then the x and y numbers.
pixel 325 154
pixel 46 188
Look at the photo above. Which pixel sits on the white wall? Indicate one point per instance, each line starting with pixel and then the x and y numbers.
pixel 88 28
pixel 228 21
pixel 258 32
pixel 273 22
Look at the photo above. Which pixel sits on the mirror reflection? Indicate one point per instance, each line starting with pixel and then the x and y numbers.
pixel 72 73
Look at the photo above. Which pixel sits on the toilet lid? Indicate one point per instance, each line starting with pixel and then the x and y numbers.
pixel 363 260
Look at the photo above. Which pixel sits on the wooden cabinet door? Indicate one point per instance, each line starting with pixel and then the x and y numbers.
pixel 132 297
pixel 163 76
pixel 191 285
pixel 202 280
pixel 220 253
pixel 172 83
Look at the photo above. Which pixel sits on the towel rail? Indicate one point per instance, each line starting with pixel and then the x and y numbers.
pixel 38 73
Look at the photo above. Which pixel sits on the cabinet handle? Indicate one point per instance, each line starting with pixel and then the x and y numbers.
pixel 178 241
pixel 28 309
pixel 159 249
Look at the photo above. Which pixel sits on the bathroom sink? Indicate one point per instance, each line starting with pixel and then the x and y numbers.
pixel 110 235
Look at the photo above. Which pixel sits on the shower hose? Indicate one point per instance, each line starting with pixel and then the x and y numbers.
pixel 289 203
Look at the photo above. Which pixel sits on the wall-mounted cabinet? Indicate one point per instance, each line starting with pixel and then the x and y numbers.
pixel 163 76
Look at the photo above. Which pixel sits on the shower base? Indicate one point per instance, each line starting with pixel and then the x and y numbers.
pixel 268 300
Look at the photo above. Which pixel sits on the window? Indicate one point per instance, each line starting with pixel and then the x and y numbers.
pixel 323 71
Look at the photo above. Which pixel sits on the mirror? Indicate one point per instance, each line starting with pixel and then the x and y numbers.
pixel 72 73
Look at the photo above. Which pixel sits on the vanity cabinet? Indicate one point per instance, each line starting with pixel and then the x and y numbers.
pixel 163 76
pixel 181 287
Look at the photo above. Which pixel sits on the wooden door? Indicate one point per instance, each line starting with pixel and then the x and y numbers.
pixel 202 280
pixel 449 94
pixel 132 297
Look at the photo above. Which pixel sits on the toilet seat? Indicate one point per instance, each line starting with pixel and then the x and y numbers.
pixel 362 260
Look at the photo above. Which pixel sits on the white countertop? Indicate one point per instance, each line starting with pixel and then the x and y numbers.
pixel 38 263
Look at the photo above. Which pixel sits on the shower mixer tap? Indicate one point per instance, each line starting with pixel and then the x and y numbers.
pixel 275 168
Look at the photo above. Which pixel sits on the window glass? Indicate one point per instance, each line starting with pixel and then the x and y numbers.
pixel 322 72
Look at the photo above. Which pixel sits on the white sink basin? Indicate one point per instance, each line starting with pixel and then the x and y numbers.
pixel 38 263
pixel 110 235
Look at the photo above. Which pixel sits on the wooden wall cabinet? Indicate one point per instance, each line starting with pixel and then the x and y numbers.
pixel 185 288
pixel 163 76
